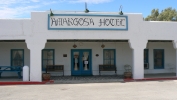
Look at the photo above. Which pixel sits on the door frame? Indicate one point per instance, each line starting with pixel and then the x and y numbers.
pixel 89 73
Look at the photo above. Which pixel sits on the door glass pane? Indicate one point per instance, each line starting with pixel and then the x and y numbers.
pixel 76 60
pixel 85 60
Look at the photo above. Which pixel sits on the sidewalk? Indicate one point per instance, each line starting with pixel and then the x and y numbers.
pixel 82 79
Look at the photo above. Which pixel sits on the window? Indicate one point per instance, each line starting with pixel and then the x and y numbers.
pixel 158 58
pixel 17 57
pixel 146 62
pixel 109 56
pixel 47 57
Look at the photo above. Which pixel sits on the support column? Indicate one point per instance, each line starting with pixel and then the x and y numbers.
pixel 175 47
pixel 35 45
pixel 138 58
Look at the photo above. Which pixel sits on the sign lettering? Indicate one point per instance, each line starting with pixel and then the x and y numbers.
pixel 87 22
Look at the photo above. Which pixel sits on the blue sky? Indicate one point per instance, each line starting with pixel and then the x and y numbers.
pixel 23 8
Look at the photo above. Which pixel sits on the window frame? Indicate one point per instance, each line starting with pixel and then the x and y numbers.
pixel 12 56
pixel 43 69
pixel 110 59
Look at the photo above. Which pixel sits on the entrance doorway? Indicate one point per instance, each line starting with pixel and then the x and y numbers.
pixel 81 62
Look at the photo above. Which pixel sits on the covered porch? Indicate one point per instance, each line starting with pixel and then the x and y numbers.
pixel 159 59
pixel 110 52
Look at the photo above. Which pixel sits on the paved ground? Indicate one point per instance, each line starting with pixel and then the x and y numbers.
pixel 149 90
pixel 87 79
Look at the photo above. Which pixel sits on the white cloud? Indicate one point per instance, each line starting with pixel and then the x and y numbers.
pixel 35 0
pixel 9 2
pixel 7 12
pixel 19 8
pixel 49 3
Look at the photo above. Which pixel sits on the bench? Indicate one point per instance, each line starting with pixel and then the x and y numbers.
pixel 55 68
pixel 17 69
pixel 107 68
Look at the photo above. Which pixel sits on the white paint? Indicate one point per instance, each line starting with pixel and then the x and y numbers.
pixel 35 32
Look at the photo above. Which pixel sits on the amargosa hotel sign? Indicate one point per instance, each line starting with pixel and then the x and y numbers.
pixel 87 22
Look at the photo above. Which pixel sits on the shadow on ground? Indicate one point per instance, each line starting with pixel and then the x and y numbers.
pixel 87 79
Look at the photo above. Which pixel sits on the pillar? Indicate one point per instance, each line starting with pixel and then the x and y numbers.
pixel 35 45
pixel 138 47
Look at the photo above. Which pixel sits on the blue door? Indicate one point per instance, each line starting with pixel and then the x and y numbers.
pixel 81 62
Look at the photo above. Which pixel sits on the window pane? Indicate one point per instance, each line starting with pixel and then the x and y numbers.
pixel 109 57
pixel 17 58
pixel 158 58
pixel 112 62
pixel 48 57
pixel 107 62
pixel 44 63
pixel 44 54
pixel 158 62
pixel 50 54
pixel 112 54
pixel 107 54
pixel 49 62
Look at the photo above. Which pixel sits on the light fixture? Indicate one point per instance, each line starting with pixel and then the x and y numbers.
pixel 102 45
pixel 51 13
pixel 74 46
pixel 120 9
pixel 86 10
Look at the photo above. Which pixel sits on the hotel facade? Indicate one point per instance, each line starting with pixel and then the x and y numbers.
pixel 82 41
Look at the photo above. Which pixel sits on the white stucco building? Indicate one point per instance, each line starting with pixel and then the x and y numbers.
pixel 46 39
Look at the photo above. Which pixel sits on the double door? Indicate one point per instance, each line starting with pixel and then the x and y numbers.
pixel 81 62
